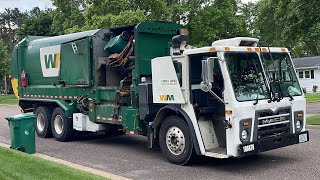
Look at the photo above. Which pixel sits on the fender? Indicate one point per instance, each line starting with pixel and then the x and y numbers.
pixel 176 108
pixel 68 108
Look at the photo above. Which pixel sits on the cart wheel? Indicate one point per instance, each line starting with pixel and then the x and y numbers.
pixel 20 148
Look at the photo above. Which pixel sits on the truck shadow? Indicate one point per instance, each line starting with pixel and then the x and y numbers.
pixel 244 165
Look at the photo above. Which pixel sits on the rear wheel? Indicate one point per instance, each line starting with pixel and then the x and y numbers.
pixel 43 127
pixel 61 125
pixel 175 140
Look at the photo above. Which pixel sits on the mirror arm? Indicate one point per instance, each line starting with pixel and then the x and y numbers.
pixel 216 96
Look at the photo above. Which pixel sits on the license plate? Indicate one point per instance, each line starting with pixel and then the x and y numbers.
pixel 248 148
pixel 303 138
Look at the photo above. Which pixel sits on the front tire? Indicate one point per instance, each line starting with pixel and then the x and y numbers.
pixel 43 122
pixel 61 125
pixel 175 140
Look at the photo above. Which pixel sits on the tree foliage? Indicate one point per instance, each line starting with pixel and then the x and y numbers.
pixel 4 60
pixel 37 23
pixel 68 16
pixel 10 21
pixel 295 24
pixel 217 21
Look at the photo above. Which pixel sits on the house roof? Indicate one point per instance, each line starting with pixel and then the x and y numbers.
pixel 306 62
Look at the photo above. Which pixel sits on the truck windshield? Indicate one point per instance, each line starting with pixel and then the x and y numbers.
pixel 246 73
pixel 281 74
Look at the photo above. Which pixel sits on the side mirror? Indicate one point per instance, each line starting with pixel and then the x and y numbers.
pixel 207 73
pixel 207 69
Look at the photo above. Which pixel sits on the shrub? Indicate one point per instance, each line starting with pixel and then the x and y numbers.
pixel 314 88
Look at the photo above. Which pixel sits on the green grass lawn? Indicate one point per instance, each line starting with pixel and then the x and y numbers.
pixel 313 97
pixel 313 120
pixel 8 99
pixel 17 165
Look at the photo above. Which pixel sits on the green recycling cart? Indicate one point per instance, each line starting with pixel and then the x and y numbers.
pixel 22 132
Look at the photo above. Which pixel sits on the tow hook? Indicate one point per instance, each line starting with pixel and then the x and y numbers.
pixel 227 124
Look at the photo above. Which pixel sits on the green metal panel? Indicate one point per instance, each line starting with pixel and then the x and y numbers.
pixel 130 119
pixel 28 55
pixel 107 113
pixel 14 63
pixel 152 40
pixel 76 66
pixel 50 41
pixel 108 94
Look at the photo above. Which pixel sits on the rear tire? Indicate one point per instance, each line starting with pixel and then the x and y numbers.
pixel 43 122
pixel 175 140
pixel 61 125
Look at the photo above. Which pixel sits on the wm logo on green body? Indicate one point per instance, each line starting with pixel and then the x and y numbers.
pixel 52 60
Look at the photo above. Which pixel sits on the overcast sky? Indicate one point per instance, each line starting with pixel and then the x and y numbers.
pixel 24 4
pixel 42 4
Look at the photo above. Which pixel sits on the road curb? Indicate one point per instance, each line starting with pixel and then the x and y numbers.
pixel 9 105
pixel 76 166
pixel 313 127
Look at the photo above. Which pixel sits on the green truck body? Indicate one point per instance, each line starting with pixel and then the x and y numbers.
pixel 83 73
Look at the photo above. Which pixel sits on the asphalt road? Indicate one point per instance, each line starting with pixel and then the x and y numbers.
pixel 313 108
pixel 128 156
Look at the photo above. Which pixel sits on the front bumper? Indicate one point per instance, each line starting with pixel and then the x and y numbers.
pixel 272 143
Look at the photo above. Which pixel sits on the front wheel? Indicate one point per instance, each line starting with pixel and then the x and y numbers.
pixel 175 140
pixel 62 128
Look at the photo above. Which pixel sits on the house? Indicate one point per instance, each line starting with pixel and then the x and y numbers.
pixel 308 71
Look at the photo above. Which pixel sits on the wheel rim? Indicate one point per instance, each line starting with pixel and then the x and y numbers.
pixel 175 140
pixel 40 122
pixel 58 124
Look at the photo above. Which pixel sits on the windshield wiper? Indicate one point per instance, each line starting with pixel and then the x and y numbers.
pixel 269 89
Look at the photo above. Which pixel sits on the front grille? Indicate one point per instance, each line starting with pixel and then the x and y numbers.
pixel 273 124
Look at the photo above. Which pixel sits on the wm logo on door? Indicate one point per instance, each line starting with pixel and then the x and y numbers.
pixel 166 97
pixel 50 61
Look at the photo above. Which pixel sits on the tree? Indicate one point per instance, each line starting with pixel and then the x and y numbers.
pixel 216 21
pixel 110 13
pixel 294 24
pixel 38 23
pixel 68 16
pixel 10 20
pixel 4 63
pixel 249 12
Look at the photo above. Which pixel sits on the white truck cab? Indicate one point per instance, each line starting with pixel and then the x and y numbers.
pixel 236 99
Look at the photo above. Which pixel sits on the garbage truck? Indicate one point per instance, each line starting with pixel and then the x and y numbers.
pixel 232 98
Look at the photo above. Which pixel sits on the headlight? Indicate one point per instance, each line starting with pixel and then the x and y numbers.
pixel 298 124
pixel 244 134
